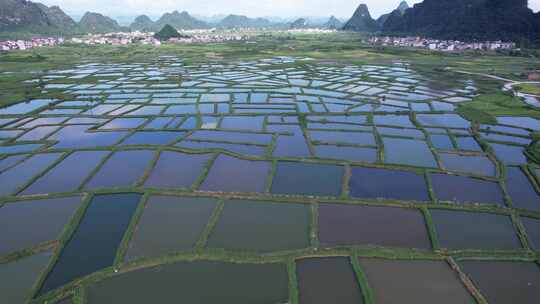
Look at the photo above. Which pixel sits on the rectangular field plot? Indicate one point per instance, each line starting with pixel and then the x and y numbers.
pixel 170 224
pixel 94 244
pixel 30 223
pixel 68 174
pixel 19 175
pixel 532 228
pixel 327 280
pixel 152 138
pixel 78 136
pixel 478 165
pixel 195 282
pixel 261 226
pixel 505 282
pixel 177 170
pixel 19 277
pixel 122 169
pixel 408 152
pixel 521 190
pixel 414 282
pixel 294 178
pixel 367 225
pixel 463 189
pixel 354 154
pixel 468 230
pixel 376 183
pixel 229 174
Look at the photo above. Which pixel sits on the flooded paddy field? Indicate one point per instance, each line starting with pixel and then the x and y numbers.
pixel 268 181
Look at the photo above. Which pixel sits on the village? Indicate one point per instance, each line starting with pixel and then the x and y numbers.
pixel 441 45
pixel 10 45
pixel 126 38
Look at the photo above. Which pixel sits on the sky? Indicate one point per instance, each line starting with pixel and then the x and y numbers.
pixel 252 8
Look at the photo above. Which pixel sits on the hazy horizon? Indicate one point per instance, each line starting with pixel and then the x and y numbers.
pixel 209 8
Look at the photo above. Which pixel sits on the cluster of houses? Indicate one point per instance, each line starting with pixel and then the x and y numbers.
pixel 125 38
pixel 441 45
pixel 11 45
pixel 118 38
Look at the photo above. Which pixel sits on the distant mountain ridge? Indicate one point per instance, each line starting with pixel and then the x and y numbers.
pixel 97 23
pixel 24 15
pixel 403 6
pixel 179 20
pixel 361 21
pixel 509 20
pixel 142 23
pixel 238 21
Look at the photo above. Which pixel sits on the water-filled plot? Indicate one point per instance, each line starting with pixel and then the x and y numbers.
pixel 327 280
pixel 473 230
pixel 152 138
pixel 367 225
pixel 195 282
pixel 94 243
pixel 169 224
pixel 409 152
pixel 78 136
pixel 175 170
pixel 261 226
pixel 17 176
pixel 413 281
pixel 340 137
pixel 353 154
pixel 505 282
pixel 26 224
pixel 478 165
pixel 443 120
pixel 521 189
pixel 229 174
pixel 462 189
pixel 509 154
pixel 122 169
pixel 378 183
pixel 19 277
pixel 68 174
pixel 532 229
pixel 295 178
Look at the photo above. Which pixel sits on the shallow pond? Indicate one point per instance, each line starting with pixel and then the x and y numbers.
pixel 196 282
pixel 67 175
pixel 327 280
pixel 229 174
pixel 375 183
pixel 497 280
pixel 30 223
pixel 468 230
pixel 414 282
pixel 170 224
pixel 16 177
pixel 521 190
pixel 152 138
pixel 122 169
pixel 177 170
pixel 480 165
pixel 367 225
pixel 532 228
pixel 19 277
pixel 94 243
pixel 408 152
pixel 294 178
pixel 466 190
pixel 261 226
